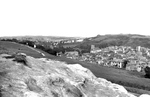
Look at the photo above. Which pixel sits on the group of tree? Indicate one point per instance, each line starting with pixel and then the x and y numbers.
pixel 47 47
pixel 147 71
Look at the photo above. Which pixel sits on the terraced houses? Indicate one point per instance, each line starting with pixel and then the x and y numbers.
pixel 117 56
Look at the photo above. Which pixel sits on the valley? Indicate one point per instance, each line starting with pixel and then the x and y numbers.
pixel 133 81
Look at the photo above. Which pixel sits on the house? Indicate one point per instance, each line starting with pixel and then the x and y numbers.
pixel 139 68
pixel 79 40
pixel 117 63
pixel 95 49
pixel 72 53
pixel 131 67
pixel 59 54
pixel 34 46
pixel 99 61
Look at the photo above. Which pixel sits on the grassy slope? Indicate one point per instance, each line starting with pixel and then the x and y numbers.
pixel 120 40
pixel 11 48
pixel 131 80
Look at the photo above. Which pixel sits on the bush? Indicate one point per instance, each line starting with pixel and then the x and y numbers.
pixel 147 72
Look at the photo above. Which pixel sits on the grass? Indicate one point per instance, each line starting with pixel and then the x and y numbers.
pixel 133 81
pixel 136 91
pixel 12 48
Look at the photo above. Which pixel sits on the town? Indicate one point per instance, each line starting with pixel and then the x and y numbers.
pixel 123 57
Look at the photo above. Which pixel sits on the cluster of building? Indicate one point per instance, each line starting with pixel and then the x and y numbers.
pixel 67 41
pixel 116 56
pixel 71 41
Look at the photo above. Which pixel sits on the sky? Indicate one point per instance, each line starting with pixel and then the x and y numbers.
pixel 76 18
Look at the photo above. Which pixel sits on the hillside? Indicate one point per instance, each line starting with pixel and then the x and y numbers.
pixel 40 38
pixel 132 40
pixel 12 48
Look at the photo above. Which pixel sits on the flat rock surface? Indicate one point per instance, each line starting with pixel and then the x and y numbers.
pixel 25 76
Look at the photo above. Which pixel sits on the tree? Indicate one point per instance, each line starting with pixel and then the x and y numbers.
pixel 147 72
pixel 125 62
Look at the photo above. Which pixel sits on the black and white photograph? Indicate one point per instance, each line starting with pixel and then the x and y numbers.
pixel 74 48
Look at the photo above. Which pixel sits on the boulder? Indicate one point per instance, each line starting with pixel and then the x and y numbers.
pixel 144 95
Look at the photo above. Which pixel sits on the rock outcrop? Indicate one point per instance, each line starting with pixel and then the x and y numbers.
pixel 24 76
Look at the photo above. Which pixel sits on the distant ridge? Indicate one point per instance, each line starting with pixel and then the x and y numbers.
pixel 132 40
pixel 40 38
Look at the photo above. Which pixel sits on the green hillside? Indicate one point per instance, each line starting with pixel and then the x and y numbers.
pixel 132 40
pixel 12 48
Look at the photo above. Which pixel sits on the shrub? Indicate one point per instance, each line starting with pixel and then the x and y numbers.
pixel 147 72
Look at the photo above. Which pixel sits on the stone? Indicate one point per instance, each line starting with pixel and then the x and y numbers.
pixel 144 95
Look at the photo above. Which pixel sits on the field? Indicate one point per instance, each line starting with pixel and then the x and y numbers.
pixel 133 81
pixel 12 48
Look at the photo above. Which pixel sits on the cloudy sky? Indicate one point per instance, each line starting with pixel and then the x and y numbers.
pixel 74 17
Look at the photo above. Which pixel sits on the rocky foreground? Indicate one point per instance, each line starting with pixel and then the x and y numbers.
pixel 25 76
